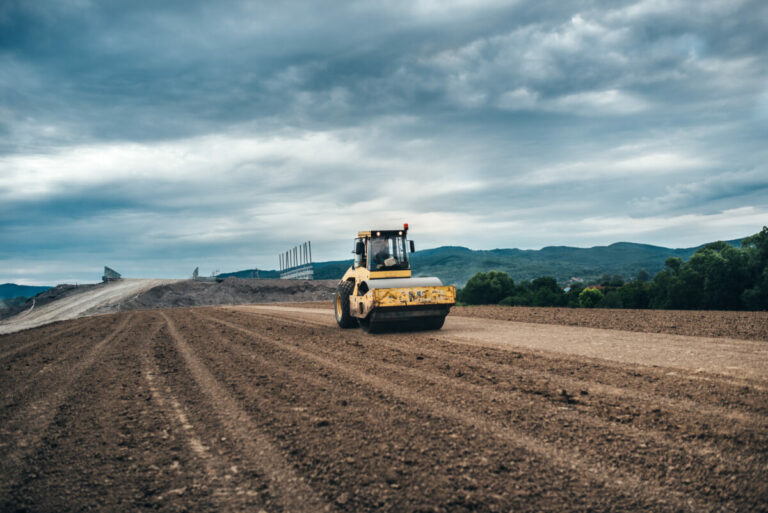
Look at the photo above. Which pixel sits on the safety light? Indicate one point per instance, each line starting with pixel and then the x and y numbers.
pixel 400 232
pixel 405 226
pixel 378 234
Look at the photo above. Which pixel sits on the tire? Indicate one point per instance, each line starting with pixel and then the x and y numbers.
pixel 341 305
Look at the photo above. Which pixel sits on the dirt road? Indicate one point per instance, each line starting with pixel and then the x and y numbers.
pixel 276 409
pixel 77 305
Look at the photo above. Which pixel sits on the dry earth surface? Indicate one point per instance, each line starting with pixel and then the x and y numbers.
pixel 746 325
pixel 92 299
pixel 71 302
pixel 274 408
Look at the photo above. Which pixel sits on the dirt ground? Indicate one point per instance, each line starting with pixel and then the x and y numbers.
pixel 745 325
pixel 276 409
pixel 696 323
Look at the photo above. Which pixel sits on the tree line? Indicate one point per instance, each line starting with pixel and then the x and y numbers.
pixel 718 276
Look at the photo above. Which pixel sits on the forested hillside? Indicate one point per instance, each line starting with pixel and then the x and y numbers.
pixel 718 276
pixel 456 265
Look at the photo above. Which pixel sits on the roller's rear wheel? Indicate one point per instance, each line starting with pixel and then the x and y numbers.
pixel 422 324
pixel 428 323
pixel 366 325
pixel 341 305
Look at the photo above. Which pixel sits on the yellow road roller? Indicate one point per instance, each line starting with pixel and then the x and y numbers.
pixel 378 293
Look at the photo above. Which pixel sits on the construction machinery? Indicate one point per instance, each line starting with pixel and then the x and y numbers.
pixel 378 293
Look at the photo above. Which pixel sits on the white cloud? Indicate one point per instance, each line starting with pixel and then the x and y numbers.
pixel 684 230
pixel 705 190
pixel 617 165
pixel 639 11
pixel 189 160
pixel 608 102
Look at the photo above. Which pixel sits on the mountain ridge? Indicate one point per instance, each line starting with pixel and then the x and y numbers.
pixel 12 290
pixel 456 264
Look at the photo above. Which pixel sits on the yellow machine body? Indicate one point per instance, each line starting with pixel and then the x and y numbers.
pixel 388 295
pixel 361 306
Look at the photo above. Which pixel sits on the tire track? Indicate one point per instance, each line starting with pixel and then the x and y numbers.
pixel 651 440
pixel 285 486
pixel 218 472
pixel 26 383
pixel 535 374
pixel 443 336
pixel 368 451
pixel 107 449
pixel 31 423
pixel 65 330
pixel 653 445
pixel 608 475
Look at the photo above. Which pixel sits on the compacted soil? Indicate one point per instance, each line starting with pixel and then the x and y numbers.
pixel 746 325
pixel 275 408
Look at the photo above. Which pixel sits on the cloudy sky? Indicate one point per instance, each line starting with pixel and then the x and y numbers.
pixel 154 137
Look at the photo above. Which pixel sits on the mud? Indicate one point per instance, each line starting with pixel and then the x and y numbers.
pixel 263 408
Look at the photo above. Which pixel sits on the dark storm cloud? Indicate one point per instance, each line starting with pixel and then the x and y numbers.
pixel 224 132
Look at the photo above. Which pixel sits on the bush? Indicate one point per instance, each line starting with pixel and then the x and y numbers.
pixel 590 298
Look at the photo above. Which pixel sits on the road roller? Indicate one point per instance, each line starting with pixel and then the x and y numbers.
pixel 378 293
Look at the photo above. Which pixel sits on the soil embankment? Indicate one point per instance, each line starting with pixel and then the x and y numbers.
pixel 69 302
pixel 74 302
pixel 231 291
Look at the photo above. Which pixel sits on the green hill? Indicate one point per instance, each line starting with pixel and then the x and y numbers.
pixel 456 264
pixel 11 290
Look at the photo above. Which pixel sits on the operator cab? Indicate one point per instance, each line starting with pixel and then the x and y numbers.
pixel 383 250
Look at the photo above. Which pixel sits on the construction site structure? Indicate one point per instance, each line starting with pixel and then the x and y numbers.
pixel 296 263
pixel 252 274
pixel 378 292
pixel 110 275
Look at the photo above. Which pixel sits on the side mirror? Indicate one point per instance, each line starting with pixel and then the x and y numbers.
pixel 413 246
pixel 359 248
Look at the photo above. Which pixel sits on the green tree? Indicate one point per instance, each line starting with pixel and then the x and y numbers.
pixel 755 296
pixel 487 288
pixel 590 298
pixel 546 292
pixel 572 296
pixel 616 281
pixel 643 276
pixel 722 273
pixel 612 299
pixel 634 295
pixel 673 264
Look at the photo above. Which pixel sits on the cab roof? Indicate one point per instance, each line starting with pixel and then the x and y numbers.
pixel 383 232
